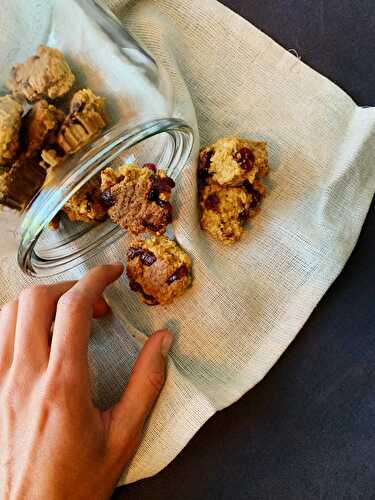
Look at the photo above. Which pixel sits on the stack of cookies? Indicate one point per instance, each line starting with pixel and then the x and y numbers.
pixel 138 200
pixel 35 131
pixel 230 188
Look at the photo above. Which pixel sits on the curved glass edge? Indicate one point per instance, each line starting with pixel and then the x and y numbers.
pixel 68 178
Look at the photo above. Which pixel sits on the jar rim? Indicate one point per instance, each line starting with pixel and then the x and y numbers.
pixel 66 179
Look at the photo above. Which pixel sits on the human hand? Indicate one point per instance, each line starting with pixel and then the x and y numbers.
pixel 54 444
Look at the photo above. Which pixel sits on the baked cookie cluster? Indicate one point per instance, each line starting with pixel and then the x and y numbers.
pixel 37 132
pixel 40 125
pixel 139 200
pixel 230 187
pixel 158 270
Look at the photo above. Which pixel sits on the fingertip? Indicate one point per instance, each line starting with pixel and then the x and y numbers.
pixel 119 265
pixel 166 344
pixel 165 338
pixel 101 308
pixel 116 268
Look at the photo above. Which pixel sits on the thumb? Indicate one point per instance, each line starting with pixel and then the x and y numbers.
pixel 145 384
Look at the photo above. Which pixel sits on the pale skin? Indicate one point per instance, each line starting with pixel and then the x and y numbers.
pixel 54 443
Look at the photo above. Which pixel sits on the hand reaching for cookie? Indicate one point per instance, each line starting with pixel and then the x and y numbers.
pixel 53 442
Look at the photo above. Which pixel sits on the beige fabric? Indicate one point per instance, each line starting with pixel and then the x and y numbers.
pixel 248 302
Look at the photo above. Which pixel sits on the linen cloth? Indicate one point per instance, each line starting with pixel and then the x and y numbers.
pixel 249 301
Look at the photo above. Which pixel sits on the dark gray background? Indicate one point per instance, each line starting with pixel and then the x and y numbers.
pixel 307 431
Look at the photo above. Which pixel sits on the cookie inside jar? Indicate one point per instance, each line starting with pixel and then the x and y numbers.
pixel 87 99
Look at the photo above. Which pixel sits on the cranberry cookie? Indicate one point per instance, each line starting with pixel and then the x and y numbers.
pixel 10 124
pixel 138 198
pixel 229 185
pixel 46 75
pixel 158 269
pixel 232 161
pixel 225 211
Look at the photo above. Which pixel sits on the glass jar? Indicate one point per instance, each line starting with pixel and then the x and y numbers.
pixel 146 123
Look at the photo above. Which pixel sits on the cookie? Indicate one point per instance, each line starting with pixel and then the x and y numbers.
pixel 225 211
pixel 229 186
pixel 20 182
pixel 40 126
pixel 84 122
pixel 158 269
pixel 10 124
pixel 138 198
pixel 232 161
pixel 86 205
pixel 46 75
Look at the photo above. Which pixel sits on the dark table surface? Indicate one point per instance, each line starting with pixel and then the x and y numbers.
pixel 307 431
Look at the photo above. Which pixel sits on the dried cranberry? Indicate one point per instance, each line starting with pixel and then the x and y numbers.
pixel 169 218
pixel 152 227
pixel 205 160
pixel 243 216
pixel 203 168
pixel 179 274
pixel 256 196
pixel 212 202
pixel 151 301
pixel 256 199
pixel 107 198
pixel 135 287
pixel 148 258
pixel 168 209
pixel 134 252
pixel 249 187
pixel 150 166
pixel 171 183
pixel 202 183
pixel 162 184
pixel 164 204
pixel 153 195
pixel 245 158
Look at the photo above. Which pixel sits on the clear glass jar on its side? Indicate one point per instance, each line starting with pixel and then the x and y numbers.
pixel 144 124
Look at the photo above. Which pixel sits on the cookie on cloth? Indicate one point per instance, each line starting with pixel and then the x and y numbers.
pixel 225 211
pixel 158 269
pixel 229 186
pixel 232 161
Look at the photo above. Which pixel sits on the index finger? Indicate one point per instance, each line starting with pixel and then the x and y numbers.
pixel 74 313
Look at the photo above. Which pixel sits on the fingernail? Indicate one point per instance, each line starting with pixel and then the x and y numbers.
pixel 119 265
pixel 166 344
